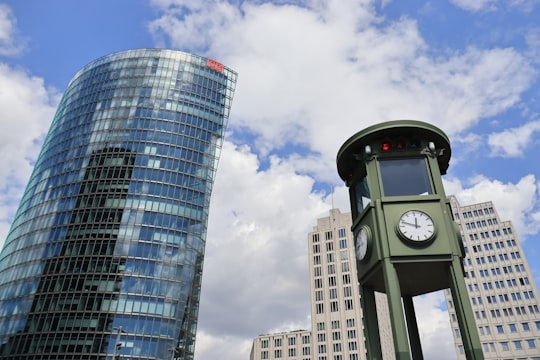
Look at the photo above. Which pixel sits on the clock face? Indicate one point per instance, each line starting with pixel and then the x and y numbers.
pixel 415 225
pixel 362 239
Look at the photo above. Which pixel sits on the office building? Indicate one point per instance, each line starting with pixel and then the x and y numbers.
pixel 500 285
pixel 336 315
pixel 105 254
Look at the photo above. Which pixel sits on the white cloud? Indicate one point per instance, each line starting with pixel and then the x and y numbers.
pixel 311 74
pixel 434 326
pixel 27 108
pixel 513 142
pixel 314 76
pixel 519 202
pixel 256 267
pixel 493 5
pixel 221 347
pixel 10 44
pixel 475 5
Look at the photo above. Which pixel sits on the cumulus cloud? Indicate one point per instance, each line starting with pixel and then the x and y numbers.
pixel 256 266
pixel 475 5
pixel 518 202
pixel 10 43
pixel 434 326
pixel 493 5
pixel 311 76
pixel 513 142
pixel 27 108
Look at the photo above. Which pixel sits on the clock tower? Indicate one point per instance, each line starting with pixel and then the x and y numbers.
pixel 407 243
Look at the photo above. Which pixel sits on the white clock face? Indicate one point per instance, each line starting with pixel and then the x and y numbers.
pixel 361 243
pixel 416 225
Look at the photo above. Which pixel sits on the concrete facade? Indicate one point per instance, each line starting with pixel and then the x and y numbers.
pixel 500 285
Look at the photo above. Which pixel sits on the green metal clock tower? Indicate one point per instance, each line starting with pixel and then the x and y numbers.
pixel 407 243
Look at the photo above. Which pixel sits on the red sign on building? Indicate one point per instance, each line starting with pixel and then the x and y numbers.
pixel 214 65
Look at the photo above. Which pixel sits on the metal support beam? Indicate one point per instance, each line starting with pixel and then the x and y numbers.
pixel 464 313
pixel 412 327
pixel 395 307
pixel 371 324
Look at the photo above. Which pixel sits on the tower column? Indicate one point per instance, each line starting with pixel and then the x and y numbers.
pixel 371 323
pixel 465 316
pixel 399 328
pixel 412 327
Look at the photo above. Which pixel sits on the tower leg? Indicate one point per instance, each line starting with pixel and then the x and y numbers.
pixel 412 327
pixel 465 316
pixel 371 324
pixel 393 294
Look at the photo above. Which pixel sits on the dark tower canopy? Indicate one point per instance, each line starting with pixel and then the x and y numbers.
pixel 411 130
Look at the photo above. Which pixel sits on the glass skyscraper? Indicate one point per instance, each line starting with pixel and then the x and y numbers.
pixel 104 257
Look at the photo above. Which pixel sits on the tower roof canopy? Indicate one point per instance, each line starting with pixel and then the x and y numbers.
pixel 347 159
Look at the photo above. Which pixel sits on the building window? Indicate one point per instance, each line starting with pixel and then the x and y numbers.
pixel 305 340
pixel 292 341
pixel 330 258
pixel 277 342
pixel 343 244
pixel 334 306
pixel 319 308
pixel 348 304
pixel 531 343
pixel 342 233
pixel 328 235
pixel 277 353
pixel 331 281
pixel 292 352
pixel 315 238
pixel 331 269
pixel 264 344
pixel 335 324
pixel 264 354
pixel 504 346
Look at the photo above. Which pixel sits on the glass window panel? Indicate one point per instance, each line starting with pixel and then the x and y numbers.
pixel 402 177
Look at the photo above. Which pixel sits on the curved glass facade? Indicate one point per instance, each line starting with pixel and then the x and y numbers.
pixel 105 254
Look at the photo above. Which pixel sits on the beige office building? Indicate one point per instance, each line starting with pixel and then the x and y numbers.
pixel 336 316
pixel 500 284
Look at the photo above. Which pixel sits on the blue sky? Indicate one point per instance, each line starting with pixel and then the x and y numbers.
pixel 311 73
